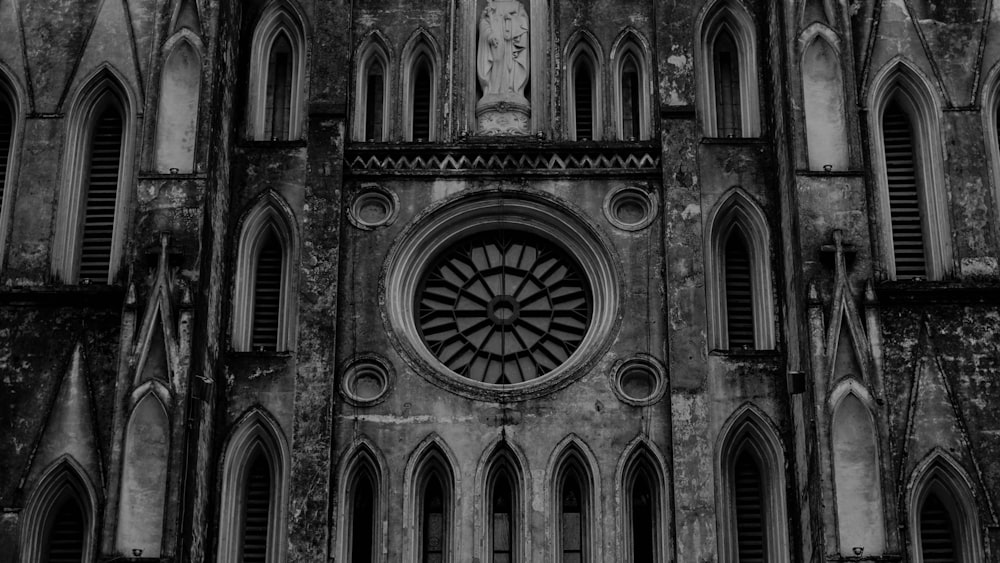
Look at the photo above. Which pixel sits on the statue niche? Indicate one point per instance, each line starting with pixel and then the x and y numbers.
pixel 502 64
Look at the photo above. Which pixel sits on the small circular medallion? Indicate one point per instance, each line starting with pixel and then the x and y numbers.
pixel 638 381
pixel 373 207
pixel 366 379
pixel 630 209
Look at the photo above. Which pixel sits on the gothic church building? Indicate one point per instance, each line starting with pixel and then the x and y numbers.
pixel 499 281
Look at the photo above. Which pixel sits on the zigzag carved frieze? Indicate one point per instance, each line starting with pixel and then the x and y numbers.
pixel 632 158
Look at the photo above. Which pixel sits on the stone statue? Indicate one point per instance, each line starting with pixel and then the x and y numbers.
pixel 502 64
pixel 503 48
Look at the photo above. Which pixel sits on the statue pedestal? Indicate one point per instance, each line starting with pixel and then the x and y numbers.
pixel 503 114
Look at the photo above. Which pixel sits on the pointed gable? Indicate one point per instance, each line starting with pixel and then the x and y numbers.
pixel 110 44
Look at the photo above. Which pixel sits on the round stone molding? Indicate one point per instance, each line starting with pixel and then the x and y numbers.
pixel 468 218
pixel 366 379
pixel 631 208
pixel 373 207
pixel 639 381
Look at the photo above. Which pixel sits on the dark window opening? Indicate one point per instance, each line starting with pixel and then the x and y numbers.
pixel 572 529
pixel 66 536
pixel 904 199
pixel 363 520
pixel 374 101
pixel 937 534
pixel 267 294
pixel 630 99
pixel 422 92
pixel 101 195
pixel 503 520
pixel 727 86
pixel 256 510
pixel 434 522
pixel 278 110
pixel 643 518
pixel 739 292
pixel 749 500
pixel 583 99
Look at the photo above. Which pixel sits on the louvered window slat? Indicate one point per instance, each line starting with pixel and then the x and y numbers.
pixel 583 101
pixel 278 109
pixel 739 293
pixel 422 100
pixel 904 198
pixel 256 511
pixel 630 99
pixel 363 521
pixel 66 537
pixel 267 295
pixel 727 86
pixel 642 519
pixel 101 200
pixel 374 100
pixel 937 539
pixel 749 505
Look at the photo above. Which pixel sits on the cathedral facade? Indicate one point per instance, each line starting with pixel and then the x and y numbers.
pixel 499 281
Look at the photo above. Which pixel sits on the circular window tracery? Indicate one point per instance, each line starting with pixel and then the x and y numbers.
pixel 503 307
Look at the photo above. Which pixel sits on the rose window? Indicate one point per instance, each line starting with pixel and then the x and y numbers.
pixel 503 307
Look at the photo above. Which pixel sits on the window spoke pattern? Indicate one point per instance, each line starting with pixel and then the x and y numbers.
pixel 503 307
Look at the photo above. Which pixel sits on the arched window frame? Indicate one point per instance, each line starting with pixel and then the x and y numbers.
pixel 749 428
pixel 641 453
pixel 737 207
pixel 13 92
pixel 422 44
pixel 733 16
pixel 631 43
pixel 584 47
pixel 278 17
pixel 941 471
pixel 270 212
pixel 431 458
pixel 362 456
pixel 850 387
pixel 256 431
pixel 900 81
pixel 64 477
pixel 105 86
pixel 374 48
pixel 572 454
pixel 991 114
pixel 182 36
pixel 817 32
pixel 503 456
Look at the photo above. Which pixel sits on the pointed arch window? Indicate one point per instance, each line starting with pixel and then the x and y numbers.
pixel 429 503
pixel 277 74
pixel 583 99
pixel 362 547
pixel 256 509
pixel 503 523
pixel 915 232
pixel 573 490
pixel 503 508
pixel 632 91
pixel 420 84
pixel 642 510
pixel 583 88
pixel 943 513
pixel 422 97
pixel 727 86
pixel 739 292
pixel 177 112
pixel 630 86
pixel 751 509
pixel 58 524
pixel 371 105
pixel 90 227
pixel 739 284
pixel 263 302
pixel 278 105
pixel 252 515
